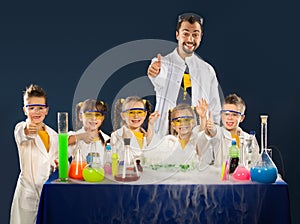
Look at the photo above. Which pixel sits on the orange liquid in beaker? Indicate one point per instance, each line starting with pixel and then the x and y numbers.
pixel 75 170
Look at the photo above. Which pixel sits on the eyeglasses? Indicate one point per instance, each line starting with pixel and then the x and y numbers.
pixel 91 114
pixel 135 112
pixel 187 16
pixel 231 113
pixel 36 108
pixel 182 120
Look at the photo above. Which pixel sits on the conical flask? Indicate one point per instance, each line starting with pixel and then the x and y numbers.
pixel 128 170
pixel 264 169
pixel 77 164
pixel 241 172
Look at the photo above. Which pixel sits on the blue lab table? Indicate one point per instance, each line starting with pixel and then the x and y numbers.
pixel 183 197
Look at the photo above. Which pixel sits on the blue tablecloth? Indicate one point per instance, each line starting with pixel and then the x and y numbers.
pixel 108 202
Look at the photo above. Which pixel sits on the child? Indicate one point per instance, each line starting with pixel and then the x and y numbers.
pixel 133 111
pixel 37 148
pixel 232 114
pixel 91 114
pixel 179 148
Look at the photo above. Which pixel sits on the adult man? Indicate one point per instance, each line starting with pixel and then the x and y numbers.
pixel 183 77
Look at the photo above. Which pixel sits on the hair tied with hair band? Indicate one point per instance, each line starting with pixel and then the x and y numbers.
pixel 101 102
pixel 144 101
pixel 80 104
pixel 122 100
pixel 171 110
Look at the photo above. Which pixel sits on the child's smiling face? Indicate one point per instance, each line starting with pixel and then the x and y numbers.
pixel 36 114
pixel 186 125
pixel 134 119
pixel 91 120
pixel 232 118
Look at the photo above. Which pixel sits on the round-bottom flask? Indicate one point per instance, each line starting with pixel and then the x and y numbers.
pixel 93 172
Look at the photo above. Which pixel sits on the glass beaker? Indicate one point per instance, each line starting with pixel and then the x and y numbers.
pixel 128 170
pixel 77 165
pixel 62 121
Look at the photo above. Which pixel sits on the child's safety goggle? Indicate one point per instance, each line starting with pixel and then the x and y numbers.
pixel 135 112
pixel 36 107
pixel 182 120
pixel 91 114
pixel 231 113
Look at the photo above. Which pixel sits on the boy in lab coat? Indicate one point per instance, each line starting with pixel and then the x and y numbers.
pixel 37 148
pixel 219 138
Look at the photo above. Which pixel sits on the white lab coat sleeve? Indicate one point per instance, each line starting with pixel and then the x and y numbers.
pixel 71 148
pixel 214 100
pixel 116 141
pixel 206 144
pixel 156 138
pixel 160 152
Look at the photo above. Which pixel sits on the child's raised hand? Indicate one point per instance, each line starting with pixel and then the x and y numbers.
pixel 201 108
pixel 211 129
pixel 153 117
pixel 87 137
pixel 33 128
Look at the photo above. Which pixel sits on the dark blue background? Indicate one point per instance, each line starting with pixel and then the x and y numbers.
pixel 253 46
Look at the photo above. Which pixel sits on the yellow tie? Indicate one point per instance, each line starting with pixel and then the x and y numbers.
pixel 186 82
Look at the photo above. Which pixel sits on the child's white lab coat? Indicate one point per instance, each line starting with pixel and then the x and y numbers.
pixel 117 142
pixel 217 148
pixel 86 148
pixel 169 151
pixel 36 165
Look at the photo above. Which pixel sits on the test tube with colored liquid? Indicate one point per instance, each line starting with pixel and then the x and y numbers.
pixel 62 119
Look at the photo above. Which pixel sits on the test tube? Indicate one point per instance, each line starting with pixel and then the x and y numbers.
pixel 62 121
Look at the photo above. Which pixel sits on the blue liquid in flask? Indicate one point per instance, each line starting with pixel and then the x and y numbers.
pixel 264 171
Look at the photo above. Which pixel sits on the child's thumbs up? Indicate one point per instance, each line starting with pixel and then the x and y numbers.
pixel 211 116
pixel 159 60
pixel 210 126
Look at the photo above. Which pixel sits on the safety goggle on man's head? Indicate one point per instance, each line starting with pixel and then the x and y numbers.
pixel 132 112
pixel 182 120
